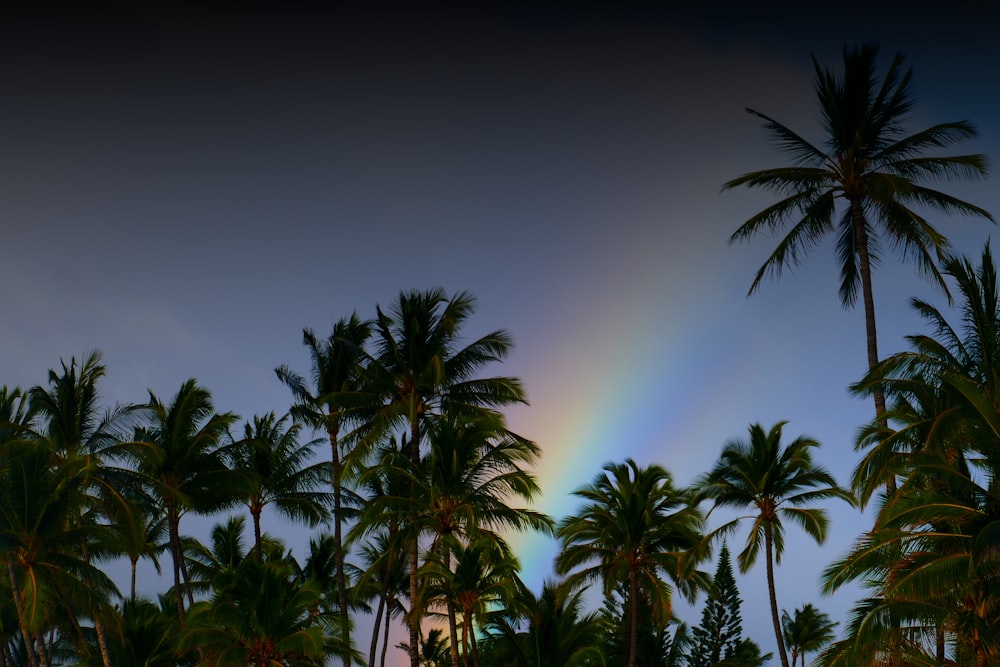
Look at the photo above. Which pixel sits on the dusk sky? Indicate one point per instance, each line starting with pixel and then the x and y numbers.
pixel 186 191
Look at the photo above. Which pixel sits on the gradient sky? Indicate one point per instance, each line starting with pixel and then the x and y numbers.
pixel 186 191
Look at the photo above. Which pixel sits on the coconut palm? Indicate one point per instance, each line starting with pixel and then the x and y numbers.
pixel 464 486
pixel 50 579
pixel 179 459
pixel 634 529
pixel 137 532
pixel 384 552
pixel 325 403
pixel 862 184
pixel 469 578
pixel 928 559
pixel 775 482
pixel 68 416
pixel 548 630
pixel 276 471
pixel 420 368
pixel 806 630
pixel 259 616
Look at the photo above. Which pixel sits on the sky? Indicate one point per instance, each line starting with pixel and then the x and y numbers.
pixel 186 190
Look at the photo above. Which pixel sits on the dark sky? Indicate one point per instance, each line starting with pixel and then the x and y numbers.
pixel 187 189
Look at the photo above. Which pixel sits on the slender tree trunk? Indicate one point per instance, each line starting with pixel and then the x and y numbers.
pixel 388 617
pixel 471 629
pixel 102 642
pixel 868 298
pixel 633 617
pixel 453 634
pixel 413 618
pixel 769 553
pixel 258 549
pixel 939 644
pixel 377 626
pixel 336 481
pixel 176 557
pixel 135 565
pixel 15 587
pixel 415 611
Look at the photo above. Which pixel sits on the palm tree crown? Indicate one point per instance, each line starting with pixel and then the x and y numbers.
pixel 871 170
pixel 633 528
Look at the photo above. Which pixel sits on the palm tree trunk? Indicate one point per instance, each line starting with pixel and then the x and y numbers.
pixel 388 617
pixel 868 298
pixel 173 536
pixel 769 553
pixel 633 617
pixel 472 638
pixel 335 478
pixel 413 618
pixel 29 647
pixel 415 612
pixel 377 626
pixel 102 643
pixel 258 549
pixel 453 634
pixel 135 565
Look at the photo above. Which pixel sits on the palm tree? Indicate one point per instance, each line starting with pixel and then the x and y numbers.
pixel 259 617
pixel 807 630
pixel 178 456
pixel 40 546
pixel 324 404
pixel 276 471
pixel 469 578
pixel 463 487
pixel 634 528
pixel 419 369
pixel 929 555
pixel 550 630
pixel 775 482
pixel 137 532
pixel 384 551
pixel 68 417
pixel 872 168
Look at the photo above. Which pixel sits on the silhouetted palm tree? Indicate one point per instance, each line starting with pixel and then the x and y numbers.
pixel 807 630
pixel 178 457
pixel 277 471
pixel 775 482
pixel 420 368
pixel 862 183
pixel 328 402
pixel 635 528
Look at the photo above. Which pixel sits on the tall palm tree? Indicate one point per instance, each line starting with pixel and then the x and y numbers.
pixel 325 403
pixel 421 368
pixel 463 487
pixel 179 459
pixel 862 183
pixel 276 471
pixel 806 630
pixel 634 528
pixel 472 577
pixel 930 554
pixel 775 482
pixel 40 546
pixel 68 416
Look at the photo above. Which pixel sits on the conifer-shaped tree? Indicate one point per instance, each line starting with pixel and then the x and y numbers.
pixel 720 633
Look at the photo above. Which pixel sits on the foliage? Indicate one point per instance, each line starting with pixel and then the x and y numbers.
pixel 721 630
